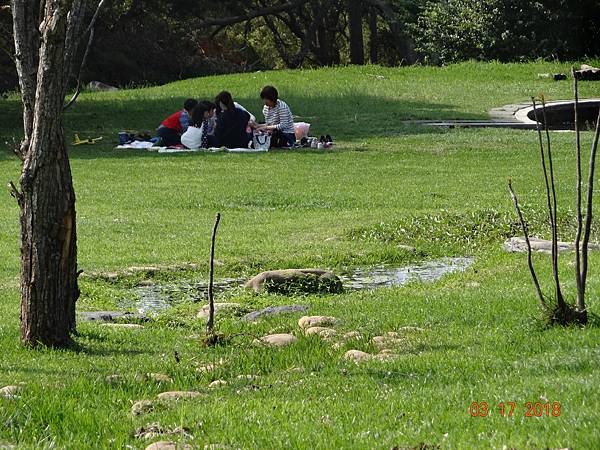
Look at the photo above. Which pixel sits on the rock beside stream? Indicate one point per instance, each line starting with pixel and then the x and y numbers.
pixel 295 281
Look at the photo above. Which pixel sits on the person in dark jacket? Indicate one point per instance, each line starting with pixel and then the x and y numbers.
pixel 231 126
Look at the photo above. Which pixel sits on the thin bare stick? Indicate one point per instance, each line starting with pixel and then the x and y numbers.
pixel 588 213
pixel 526 234
pixel 14 192
pixel 211 303
pixel 580 290
pixel 91 30
pixel 559 298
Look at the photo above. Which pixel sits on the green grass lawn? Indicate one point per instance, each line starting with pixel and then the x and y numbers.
pixel 386 183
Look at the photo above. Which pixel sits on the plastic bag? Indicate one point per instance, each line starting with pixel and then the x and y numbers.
pixel 301 130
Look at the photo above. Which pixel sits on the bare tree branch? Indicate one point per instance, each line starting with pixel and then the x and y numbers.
pixel 529 259
pixel 559 297
pixel 580 289
pixel 588 213
pixel 547 184
pixel 14 192
pixel 26 59
pixel 224 21
pixel 74 20
pixel 91 30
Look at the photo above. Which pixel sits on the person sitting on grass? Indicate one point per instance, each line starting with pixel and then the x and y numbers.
pixel 278 118
pixel 232 123
pixel 197 135
pixel 172 127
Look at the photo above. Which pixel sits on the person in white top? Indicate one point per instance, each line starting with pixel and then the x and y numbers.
pixel 197 135
pixel 278 117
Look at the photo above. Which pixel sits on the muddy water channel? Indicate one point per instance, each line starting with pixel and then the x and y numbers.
pixel 155 298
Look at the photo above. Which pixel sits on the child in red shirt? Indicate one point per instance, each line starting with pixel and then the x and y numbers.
pixel 171 129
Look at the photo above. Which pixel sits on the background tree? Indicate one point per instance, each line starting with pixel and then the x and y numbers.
pixel 46 39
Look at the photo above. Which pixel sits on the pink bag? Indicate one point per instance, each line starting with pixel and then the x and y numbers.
pixel 301 130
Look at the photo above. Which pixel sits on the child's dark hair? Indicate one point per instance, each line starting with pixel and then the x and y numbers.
pixel 199 110
pixel 225 98
pixel 190 104
pixel 269 93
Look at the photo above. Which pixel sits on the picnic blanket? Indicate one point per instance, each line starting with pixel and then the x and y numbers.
pixel 149 146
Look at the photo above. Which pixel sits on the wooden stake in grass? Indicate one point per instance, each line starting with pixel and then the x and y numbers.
pixel 211 303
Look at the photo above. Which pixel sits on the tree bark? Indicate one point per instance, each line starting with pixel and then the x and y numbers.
pixel 25 20
pixel 355 16
pixel 47 202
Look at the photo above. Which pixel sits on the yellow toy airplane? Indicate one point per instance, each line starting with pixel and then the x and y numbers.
pixel 79 141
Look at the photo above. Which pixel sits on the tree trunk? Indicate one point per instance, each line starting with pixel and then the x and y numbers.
pixel 47 199
pixel 355 16
pixel 48 242
pixel 373 38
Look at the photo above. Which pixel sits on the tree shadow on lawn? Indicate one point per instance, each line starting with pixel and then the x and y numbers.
pixel 346 117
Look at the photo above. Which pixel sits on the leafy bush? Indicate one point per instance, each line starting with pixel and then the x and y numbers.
pixel 454 30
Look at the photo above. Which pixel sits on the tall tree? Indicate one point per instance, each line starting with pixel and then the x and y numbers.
pixel 355 25
pixel 46 35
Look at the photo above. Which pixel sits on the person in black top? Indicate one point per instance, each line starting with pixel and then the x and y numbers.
pixel 232 123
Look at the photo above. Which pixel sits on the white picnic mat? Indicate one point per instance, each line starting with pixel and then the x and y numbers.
pixel 137 145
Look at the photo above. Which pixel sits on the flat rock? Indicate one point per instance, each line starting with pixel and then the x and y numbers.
pixel 274 310
pixel 278 340
pixel 156 430
pixel 385 356
pixel 113 379
pixel 168 445
pixel 10 391
pixel 518 244
pixel 324 332
pixel 159 377
pixel 296 280
pixel 357 356
pixel 387 351
pixel 133 326
pixel 100 86
pixel 407 248
pixel 203 313
pixel 142 407
pixel 352 335
pixel 108 316
pixel 409 329
pixel 389 340
pixel 209 367
pixel 217 383
pixel 148 269
pixel 316 321
pixel 247 377
pixel 176 395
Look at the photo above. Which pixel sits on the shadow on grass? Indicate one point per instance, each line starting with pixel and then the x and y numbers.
pixel 348 118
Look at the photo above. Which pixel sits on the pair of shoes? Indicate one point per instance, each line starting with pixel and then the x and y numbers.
pixel 327 141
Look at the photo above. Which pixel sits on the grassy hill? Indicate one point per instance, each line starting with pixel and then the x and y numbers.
pixel 386 184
